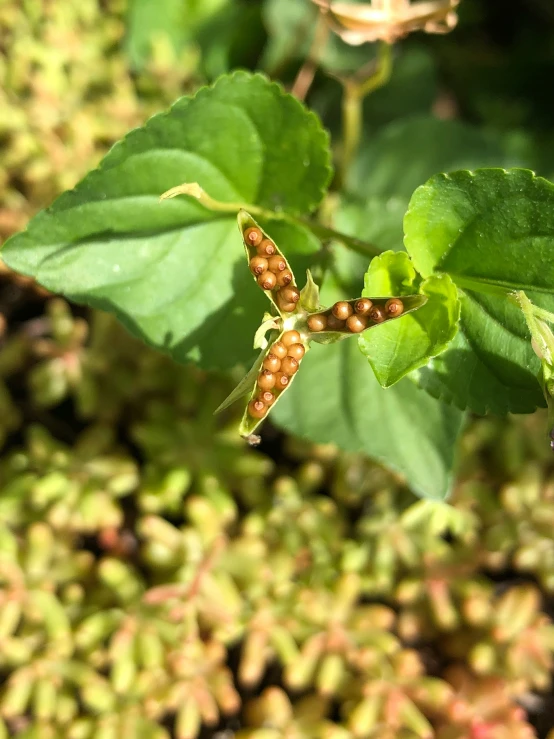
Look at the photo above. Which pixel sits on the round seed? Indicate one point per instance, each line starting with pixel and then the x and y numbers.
pixel 317 322
pixel 272 363
pixel 290 294
pixel 342 310
pixel 266 380
pixel 377 314
pixel 257 408
pixel 267 397
pixel 281 381
pixel 267 280
pixel 356 324
pixel 266 248
pixel 394 307
pixel 253 236
pixel 276 263
pixel 289 366
pixel 363 306
pixel 258 265
pixel 334 324
pixel 279 349
pixel 290 337
pixel 296 351
pixel 284 278
pixel 286 307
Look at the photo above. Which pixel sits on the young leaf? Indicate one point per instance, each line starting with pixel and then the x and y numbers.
pixel 337 399
pixel 491 231
pixel 400 347
pixel 174 271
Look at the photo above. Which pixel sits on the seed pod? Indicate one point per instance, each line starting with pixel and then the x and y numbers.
pixel 272 363
pixel 266 248
pixel 279 349
pixel 289 366
pixel 284 278
pixel 290 337
pixel 377 314
pixel 258 265
pixel 290 294
pixel 296 351
pixel 267 280
pixel 253 236
pixel 334 324
pixel 356 324
pixel 276 263
pixel 281 381
pixel 266 380
pixel 267 397
pixel 257 408
pixel 317 322
pixel 342 310
pixel 394 307
pixel 363 306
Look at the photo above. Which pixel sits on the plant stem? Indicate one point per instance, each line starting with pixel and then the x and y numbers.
pixel 193 190
pixel 352 106
pixel 306 74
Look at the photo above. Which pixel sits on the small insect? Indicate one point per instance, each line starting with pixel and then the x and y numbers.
pixel 296 321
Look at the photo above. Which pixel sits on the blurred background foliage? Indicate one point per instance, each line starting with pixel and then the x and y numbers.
pixel 159 579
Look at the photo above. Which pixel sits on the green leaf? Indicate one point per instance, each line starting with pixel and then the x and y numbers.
pixel 491 231
pixel 337 399
pixel 174 272
pixel 401 346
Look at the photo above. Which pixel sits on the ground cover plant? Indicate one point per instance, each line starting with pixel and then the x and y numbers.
pixel 392 195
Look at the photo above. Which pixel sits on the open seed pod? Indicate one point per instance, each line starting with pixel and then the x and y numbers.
pixel 268 266
pixel 274 374
pixel 350 317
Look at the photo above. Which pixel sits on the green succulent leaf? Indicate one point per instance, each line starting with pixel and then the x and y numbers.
pixel 492 232
pixel 399 347
pixel 174 272
pixel 337 399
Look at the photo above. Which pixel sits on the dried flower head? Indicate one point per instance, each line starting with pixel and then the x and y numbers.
pixel 387 20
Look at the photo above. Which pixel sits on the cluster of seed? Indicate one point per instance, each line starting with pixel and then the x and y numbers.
pixel 271 270
pixel 281 363
pixel 355 316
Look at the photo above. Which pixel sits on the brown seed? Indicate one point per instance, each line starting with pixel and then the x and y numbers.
pixel 290 337
pixel 272 363
pixel 267 280
pixel 363 306
pixel 281 381
pixel 284 278
pixel 257 408
pixel 289 366
pixel 286 307
pixel 267 397
pixel 356 324
pixel 279 349
pixel 253 236
pixel 276 263
pixel 317 322
pixel 290 294
pixel 394 307
pixel 342 310
pixel 334 324
pixel 296 351
pixel 266 380
pixel 377 314
pixel 258 265
pixel 266 248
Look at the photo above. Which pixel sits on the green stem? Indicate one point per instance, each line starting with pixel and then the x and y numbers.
pixel 352 106
pixel 194 190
